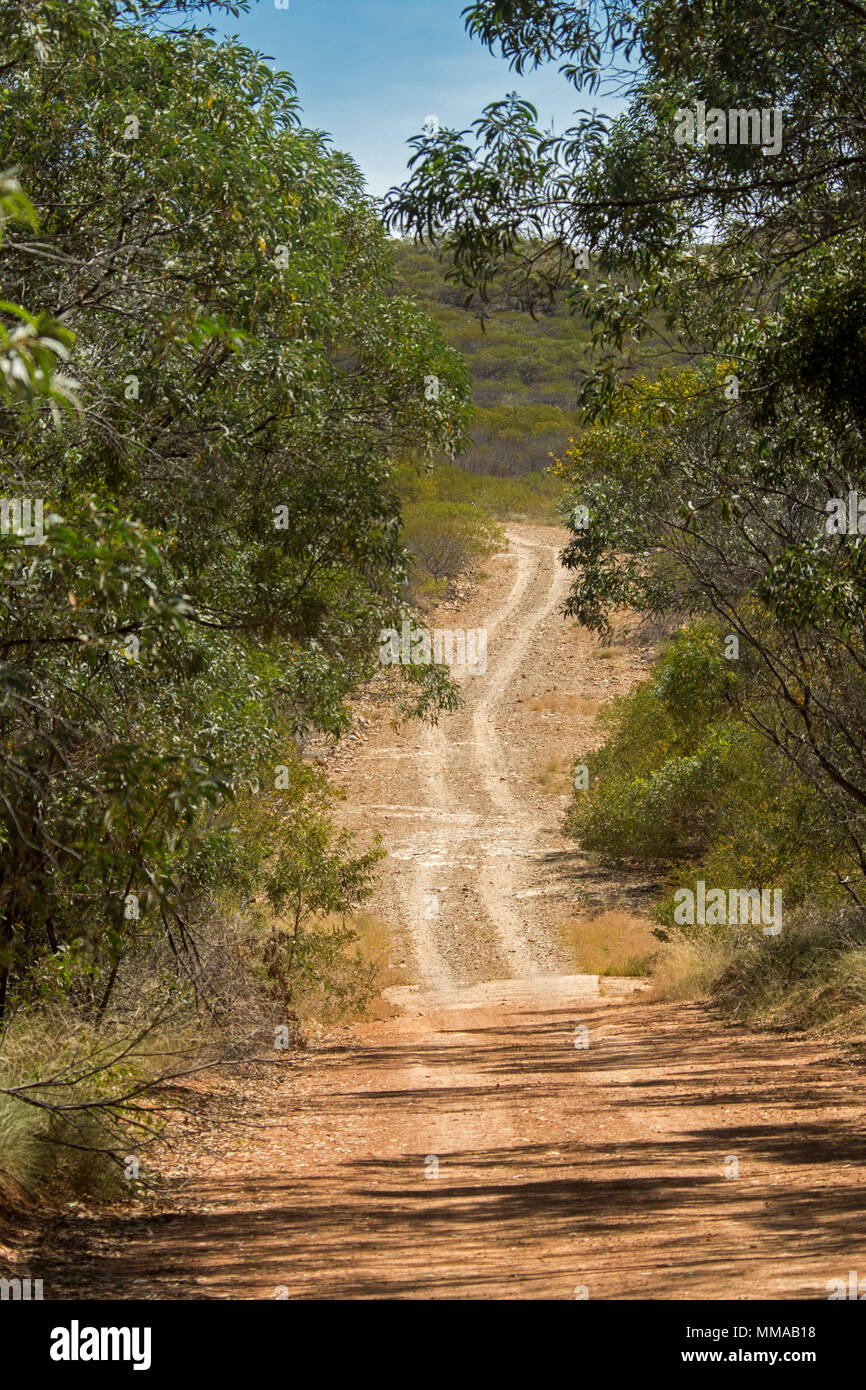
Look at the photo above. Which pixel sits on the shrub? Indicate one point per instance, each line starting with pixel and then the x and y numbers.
pixel 684 779
pixel 446 539
pixel 530 497
pixel 812 976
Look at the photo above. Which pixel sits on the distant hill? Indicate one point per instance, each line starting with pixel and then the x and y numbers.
pixel 525 372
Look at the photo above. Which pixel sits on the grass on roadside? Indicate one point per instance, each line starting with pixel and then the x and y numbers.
pixel 610 943
pixel 811 978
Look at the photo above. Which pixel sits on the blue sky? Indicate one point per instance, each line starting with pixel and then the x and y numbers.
pixel 370 72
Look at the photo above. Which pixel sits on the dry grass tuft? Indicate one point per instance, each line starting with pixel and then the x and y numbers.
pixel 610 943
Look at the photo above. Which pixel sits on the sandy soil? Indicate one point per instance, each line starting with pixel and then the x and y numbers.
pixel 511 1130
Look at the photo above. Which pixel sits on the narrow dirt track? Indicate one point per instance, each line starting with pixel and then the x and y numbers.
pixel 466 1147
pixel 484 840
pixel 479 872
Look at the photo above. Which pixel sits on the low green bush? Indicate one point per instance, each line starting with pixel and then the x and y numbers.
pixel 684 783
pixel 446 540
pixel 530 497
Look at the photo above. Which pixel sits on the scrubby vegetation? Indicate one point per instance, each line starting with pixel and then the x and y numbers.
pixel 526 371
pixel 682 779
pixel 206 379
pixel 529 497
pixel 684 786
pixel 720 497
pixel 446 541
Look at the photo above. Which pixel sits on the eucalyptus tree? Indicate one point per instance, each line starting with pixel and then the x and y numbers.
pixel 724 200
pixel 221 526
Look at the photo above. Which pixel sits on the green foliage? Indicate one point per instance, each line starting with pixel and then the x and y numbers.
pixel 653 786
pixel 311 875
pixel 529 497
pixel 683 781
pixel 446 539
pixel 222 538
pixel 32 346
pixel 696 504
pixel 506 190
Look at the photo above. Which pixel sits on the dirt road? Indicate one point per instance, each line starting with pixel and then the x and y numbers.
pixel 511 1130
pixel 479 873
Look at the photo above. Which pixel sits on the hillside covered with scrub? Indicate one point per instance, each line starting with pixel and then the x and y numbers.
pixel 527 361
